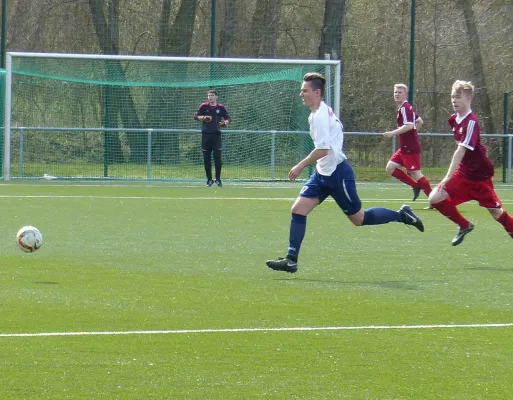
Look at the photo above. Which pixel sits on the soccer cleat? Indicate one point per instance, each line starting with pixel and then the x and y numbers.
pixel 210 182
pixel 429 207
pixel 219 183
pixel 282 264
pixel 461 234
pixel 409 218
pixel 416 192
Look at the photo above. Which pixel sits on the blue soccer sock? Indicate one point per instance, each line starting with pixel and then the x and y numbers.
pixel 296 235
pixel 380 215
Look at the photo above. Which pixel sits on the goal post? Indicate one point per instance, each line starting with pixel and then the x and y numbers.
pixel 130 117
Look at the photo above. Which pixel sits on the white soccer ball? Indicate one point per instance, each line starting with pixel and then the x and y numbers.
pixel 29 239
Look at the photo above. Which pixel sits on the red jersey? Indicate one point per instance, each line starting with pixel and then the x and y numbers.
pixel 409 142
pixel 475 165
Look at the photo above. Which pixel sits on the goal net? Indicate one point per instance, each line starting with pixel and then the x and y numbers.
pixel 131 117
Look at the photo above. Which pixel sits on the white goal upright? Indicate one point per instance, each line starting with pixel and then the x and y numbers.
pixel 131 117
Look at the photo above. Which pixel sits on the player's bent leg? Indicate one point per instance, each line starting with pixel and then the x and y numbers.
pixel 408 217
pixel 300 209
pixel 374 216
pixel 382 215
pixel 503 218
pixel 462 232
pixel 402 176
pixel 439 199
pixel 391 167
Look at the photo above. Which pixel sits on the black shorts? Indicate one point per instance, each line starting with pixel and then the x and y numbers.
pixel 211 141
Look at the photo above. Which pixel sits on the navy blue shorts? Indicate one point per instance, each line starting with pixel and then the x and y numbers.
pixel 340 185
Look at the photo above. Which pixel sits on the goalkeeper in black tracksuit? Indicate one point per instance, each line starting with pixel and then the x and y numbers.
pixel 213 116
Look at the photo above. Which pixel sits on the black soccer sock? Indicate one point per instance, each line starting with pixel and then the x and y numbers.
pixel 218 163
pixel 207 163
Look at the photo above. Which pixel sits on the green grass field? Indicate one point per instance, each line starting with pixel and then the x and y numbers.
pixel 160 291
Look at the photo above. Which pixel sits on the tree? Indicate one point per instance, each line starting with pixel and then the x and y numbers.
pixel 331 34
pixel 264 28
pixel 478 72
pixel 173 40
pixel 119 100
pixel 227 39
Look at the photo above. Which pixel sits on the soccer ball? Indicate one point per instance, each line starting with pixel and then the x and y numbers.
pixel 29 239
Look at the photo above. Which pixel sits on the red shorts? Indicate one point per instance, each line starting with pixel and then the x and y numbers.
pixel 409 161
pixel 462 190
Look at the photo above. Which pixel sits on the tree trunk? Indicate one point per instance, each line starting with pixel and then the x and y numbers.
pixel 477 65
pixel 121 102
pixel 331 36
pixel 180 34
pixel 264 28
pixel 486 117
pixel 228 32
pixel 174 40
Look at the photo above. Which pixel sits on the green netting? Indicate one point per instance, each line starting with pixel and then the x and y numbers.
pixel 66 98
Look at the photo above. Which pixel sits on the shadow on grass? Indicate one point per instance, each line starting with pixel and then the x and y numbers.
pixel 402 285
pixel 45 283
pixel 491 269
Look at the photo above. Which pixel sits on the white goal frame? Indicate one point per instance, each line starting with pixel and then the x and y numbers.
pixel 331 98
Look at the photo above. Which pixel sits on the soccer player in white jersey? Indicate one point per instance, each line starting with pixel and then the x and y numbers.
pixel 333 176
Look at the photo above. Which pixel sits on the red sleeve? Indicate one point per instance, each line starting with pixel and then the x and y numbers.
pixel 408 114
pixel 471 134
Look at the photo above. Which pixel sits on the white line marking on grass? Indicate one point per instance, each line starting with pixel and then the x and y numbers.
pixel 284 329
pixel 378 200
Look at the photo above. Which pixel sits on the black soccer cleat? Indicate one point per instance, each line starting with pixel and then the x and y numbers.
pixel 461 234
pixel 210 182
pixel 282 264
pixel 219 183
pixel 409 218
pixel 416 192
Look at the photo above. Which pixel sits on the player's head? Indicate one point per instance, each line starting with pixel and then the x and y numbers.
pixel 461 96
pixel 400 92
pixel 312 89
pixel 212 96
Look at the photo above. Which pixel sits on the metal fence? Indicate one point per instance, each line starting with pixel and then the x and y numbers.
pixel 83 153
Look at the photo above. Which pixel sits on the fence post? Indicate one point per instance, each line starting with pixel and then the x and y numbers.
pixel 273 155
pixel 148 167
pixel 510 149
pixel 20 161
pixel 504 144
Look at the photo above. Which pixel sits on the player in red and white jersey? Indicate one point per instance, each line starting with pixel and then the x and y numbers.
pixel 408 154
pixel 470 173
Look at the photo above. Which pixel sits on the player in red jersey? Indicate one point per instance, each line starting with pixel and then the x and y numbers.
pixel 214 116
pixel 470 173
pixel 408 154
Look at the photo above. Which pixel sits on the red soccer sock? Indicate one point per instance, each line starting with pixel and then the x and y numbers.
pixel 424 185
pixel 404 177
pixel 449 210
pixel 507 222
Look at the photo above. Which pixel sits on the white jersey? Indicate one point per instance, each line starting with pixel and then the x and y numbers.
pixel 327 132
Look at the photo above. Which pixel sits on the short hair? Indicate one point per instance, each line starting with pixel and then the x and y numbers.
pixel 317 81
pixel 401 86
pixel 212 91
pixel 463 87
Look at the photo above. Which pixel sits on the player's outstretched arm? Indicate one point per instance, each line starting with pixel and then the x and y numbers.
pixel 399 131
pixel 455 161
pixel 316 154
